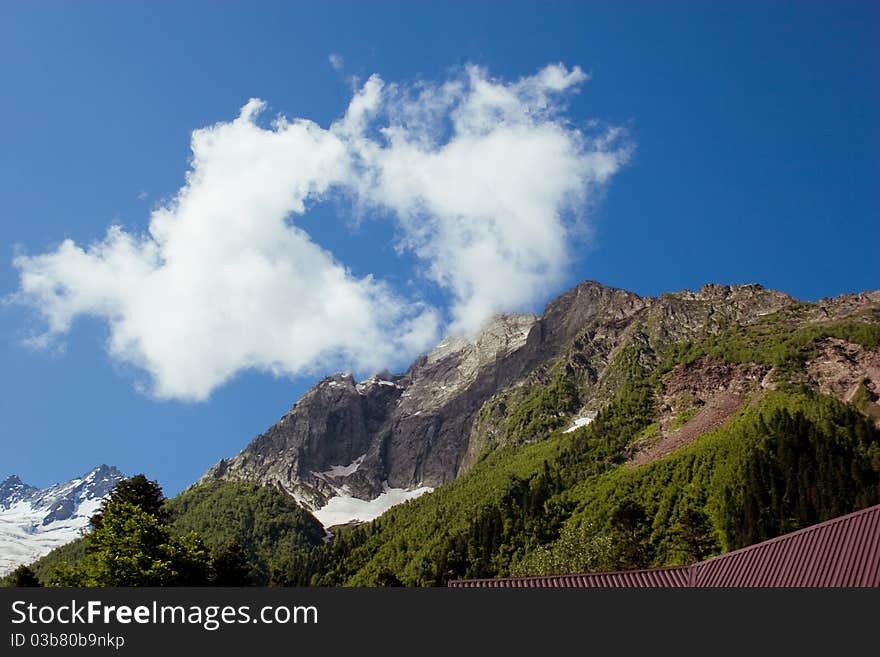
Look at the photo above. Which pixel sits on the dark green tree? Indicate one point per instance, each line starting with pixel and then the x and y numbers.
pixel 691 537
pixel 132 548
pixel 23 576
pixel 230 566
pixel 387 578
pixel 139 491
pixel 630 531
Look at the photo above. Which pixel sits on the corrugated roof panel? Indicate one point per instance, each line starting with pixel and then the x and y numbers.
pixel 840 552
pixel 658 577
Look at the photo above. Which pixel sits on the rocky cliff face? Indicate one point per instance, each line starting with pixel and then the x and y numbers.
pixel 420 429
pixel 390 431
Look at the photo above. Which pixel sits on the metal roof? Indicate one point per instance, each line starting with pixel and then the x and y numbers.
pixel 840 552
pixel 844 551
pixel 655 577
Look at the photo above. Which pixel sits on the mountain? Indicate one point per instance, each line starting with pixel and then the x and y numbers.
pixel 34 521
pixel 349 450
pixel 610 432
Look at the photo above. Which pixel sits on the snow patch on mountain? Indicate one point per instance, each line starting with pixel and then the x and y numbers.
pixel 343 508
pixel 581 421
pixel 345 470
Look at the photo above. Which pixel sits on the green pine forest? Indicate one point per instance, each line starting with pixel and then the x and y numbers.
pixel 539 501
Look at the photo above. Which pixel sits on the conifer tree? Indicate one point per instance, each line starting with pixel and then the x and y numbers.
pixel 23 576
pixel 139 491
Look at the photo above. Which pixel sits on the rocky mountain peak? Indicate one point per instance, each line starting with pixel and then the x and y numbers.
pixel 387 432
pixel 454 364
pixel 720 292
pixel 12 490
pixel 33 520
pixel 501 334
pixel 420 429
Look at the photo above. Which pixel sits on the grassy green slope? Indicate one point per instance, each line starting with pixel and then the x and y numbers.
pixel 785 462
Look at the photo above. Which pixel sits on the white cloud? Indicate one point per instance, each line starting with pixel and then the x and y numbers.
pixel 336 61
pixel 221 283
pixel 485 180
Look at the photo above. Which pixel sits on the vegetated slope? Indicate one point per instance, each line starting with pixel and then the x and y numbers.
pixel 543 500
pixel 270 528
pixel 69 553
pixel 786 462
pixel 266 526
pixel 566 505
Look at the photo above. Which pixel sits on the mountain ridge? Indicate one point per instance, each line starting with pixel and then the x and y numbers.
pixel 424 427
pixel 34 521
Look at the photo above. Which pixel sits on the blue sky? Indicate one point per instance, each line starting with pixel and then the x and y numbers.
pixel 740 145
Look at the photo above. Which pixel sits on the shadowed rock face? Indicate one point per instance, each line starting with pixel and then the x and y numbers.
pixel 397 430
pixel 413 429
pixel 423 427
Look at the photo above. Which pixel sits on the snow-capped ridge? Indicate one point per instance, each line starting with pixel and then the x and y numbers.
pixel 34 521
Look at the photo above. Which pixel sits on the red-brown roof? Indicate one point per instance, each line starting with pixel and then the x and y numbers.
pixel 840 552
pixel 844 551
pixel 652 578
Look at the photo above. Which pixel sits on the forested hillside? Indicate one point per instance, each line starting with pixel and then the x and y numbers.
pixel 239 534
